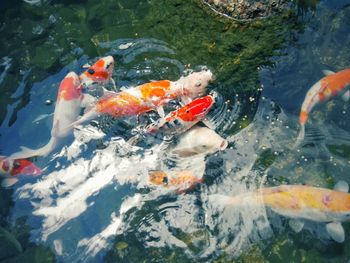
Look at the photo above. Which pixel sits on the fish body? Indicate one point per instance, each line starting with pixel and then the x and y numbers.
pixel 10 169
pixel 148 97
pixel 99 73
pixel 180 120
pixel 311 203
pixel 331 85
pixel 199 140
pixel 67 110
pixel 178 180
pixel 300 202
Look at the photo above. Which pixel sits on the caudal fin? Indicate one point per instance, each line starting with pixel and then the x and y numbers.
pixel 27 153
pixel 222 200
pixel 300 136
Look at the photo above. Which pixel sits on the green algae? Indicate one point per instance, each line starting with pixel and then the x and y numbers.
pixel 233 51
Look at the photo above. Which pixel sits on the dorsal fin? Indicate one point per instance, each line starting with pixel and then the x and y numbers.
pixel 341 186
pixel 327 72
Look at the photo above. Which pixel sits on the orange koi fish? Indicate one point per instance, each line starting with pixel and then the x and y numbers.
pixel 10 169
pixel 181 120
pixel 329 86
pixel 149 96
pixel 302 202
pixel 99 73
pixel 179 180
pixel 69 99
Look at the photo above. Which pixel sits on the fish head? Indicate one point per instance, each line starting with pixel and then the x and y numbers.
pixel 195 84
pixel 199 140
pixel 24 167
pixel 70 87
pixel 99 73
pixel 197 109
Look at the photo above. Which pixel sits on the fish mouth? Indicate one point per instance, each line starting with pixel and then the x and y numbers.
pixel 214 95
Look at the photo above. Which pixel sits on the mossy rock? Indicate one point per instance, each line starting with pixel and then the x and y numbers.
pixel 9 245
pixel 38 254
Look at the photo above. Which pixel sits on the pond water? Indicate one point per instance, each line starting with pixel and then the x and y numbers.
pixel 94 201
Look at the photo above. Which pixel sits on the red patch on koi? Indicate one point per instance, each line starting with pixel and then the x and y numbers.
pixel 327 199
pixel 68 89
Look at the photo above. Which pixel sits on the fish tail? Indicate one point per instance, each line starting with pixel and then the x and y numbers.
pixel 27 152
pixel 222 200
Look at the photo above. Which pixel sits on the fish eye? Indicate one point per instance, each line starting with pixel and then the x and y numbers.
pixel 187 111
pixel 16 164
pixel 91 71
pixel 110 64
pixel 198 84
pixel 205 109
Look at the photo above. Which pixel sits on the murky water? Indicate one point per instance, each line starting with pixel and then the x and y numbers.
pixel 95 201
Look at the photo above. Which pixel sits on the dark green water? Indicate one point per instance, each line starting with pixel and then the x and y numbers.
pixel 285 53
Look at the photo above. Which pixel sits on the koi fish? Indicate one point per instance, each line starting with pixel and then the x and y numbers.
pixel 181 120
pixel 199 140
pixel 69 99
pixel 329 86
pixel 148 97
pixel 301 202
pixel 99 73
pixel 10 169
pixel 179 180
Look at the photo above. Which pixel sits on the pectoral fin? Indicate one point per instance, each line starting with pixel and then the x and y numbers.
pixel 7 182
pixel 88 101
pixel 113 83
pixel 336 231
pixel 209 124
pixel 55 129
pixel 327 72
pixel 341 186
pixel 346 95
pixel 185 100
pixel 296 225
pixel 161 112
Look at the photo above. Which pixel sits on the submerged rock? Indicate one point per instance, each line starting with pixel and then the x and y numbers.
pixel 247 9
pixel 9 245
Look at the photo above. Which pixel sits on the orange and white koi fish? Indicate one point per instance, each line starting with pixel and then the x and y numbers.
pixel 149 96
pixel 301 202
pixel 99 73
pixel 181 120
pixel 331 85
pixel 177 180
pixel 67 110
pixel 199 140
pixel 10 169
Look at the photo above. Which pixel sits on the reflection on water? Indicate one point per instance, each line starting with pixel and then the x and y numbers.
pixel 96 196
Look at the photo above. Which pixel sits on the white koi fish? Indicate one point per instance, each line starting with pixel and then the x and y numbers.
pixel 67 110
pixel 199 140
pixel 331 85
